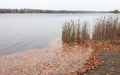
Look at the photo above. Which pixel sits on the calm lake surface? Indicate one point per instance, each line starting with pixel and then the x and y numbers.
pixel 19 32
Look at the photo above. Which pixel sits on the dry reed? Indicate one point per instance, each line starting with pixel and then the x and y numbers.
pixel 107 29
pixel 72 33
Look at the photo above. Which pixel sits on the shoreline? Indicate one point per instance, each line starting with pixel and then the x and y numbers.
pixel 57 59
pixel 95 60
pixel 109 66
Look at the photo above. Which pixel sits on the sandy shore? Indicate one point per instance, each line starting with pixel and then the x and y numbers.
pixel 104 60
pixel 110 66
pixel 57 59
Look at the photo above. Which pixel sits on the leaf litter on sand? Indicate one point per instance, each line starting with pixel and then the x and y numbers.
pixel 54 60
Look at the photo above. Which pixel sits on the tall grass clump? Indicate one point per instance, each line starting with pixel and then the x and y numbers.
pixel 72 32
pixel 84 33
pixel 68 32
pixel 107 29
pixel 78 38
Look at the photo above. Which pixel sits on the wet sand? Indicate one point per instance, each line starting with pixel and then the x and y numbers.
pixel 110 66
pixel 57 59
pixel 88 58
pixel 104 60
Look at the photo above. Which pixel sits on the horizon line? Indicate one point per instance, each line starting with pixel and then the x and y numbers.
pixel 58 9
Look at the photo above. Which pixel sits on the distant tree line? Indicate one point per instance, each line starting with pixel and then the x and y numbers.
pixel 40 11
pixel 50 11
pixel 116 11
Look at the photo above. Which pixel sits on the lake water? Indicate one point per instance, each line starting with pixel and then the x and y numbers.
pixel 19 32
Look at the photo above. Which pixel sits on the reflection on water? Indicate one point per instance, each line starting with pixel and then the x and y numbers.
pixel 57 59
pixel 20 32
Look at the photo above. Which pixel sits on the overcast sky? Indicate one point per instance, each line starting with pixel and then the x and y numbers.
pixel 62 4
